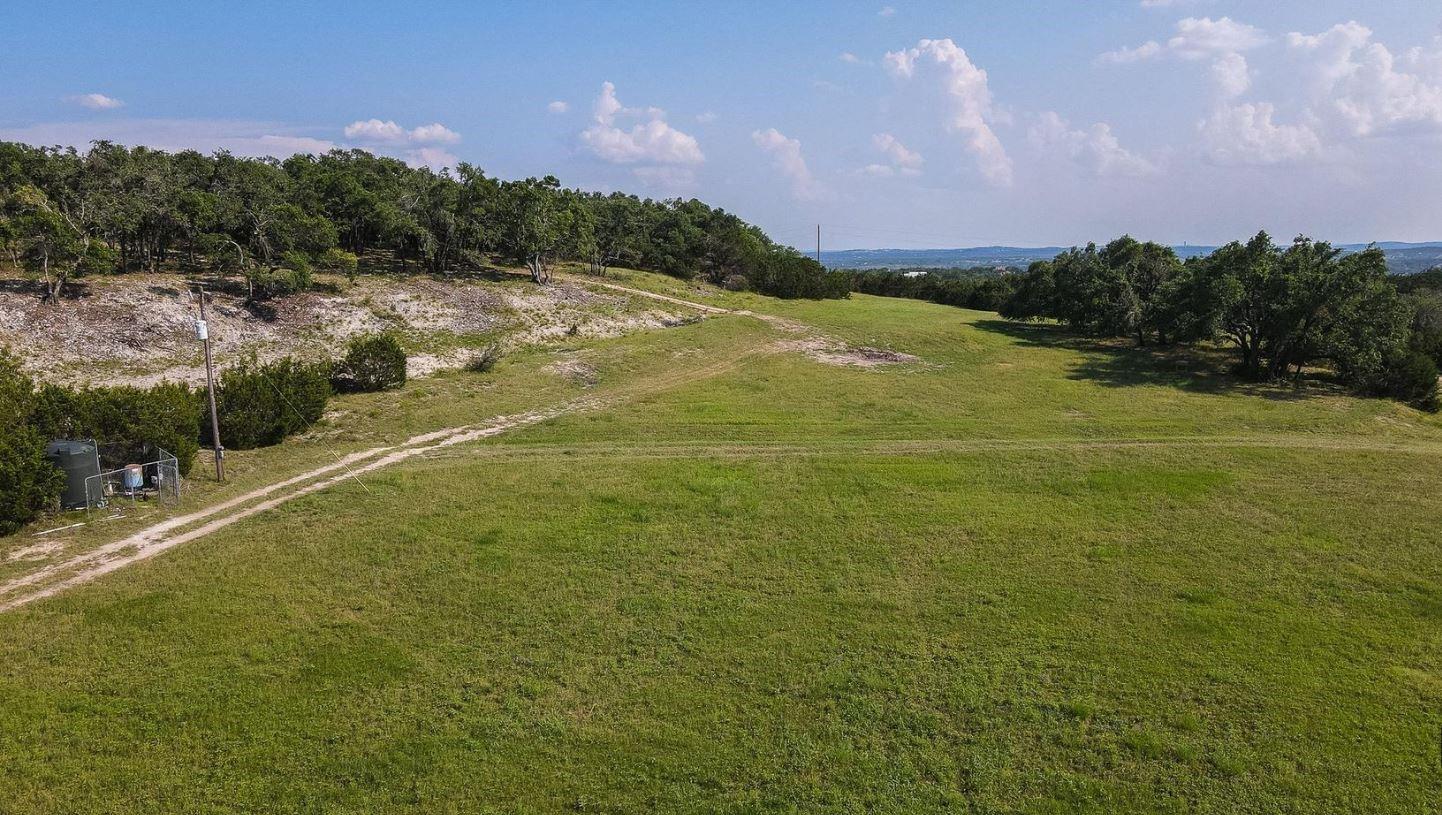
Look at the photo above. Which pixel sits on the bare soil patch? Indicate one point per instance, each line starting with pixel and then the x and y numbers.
pixel 831 352
pixel 140 329
pixel 574 369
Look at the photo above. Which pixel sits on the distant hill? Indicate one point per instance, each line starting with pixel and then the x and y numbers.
pixel 1402 258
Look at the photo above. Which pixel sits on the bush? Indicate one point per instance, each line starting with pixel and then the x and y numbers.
pixel 31 483
pixel 259 405
pixel 294 276
pixel 128 424
pixel 299 266
pixel 341 261
pixel 1426 329
pixel 1409 376
pixel 484 360
pixel 950 287
pixel 789 275
pixel 735 282
pixel 373 363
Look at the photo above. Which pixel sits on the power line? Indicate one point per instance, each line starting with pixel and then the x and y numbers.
pixel 301 416
pixel 204 333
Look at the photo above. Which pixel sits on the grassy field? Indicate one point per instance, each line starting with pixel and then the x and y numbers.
pixel 1023 574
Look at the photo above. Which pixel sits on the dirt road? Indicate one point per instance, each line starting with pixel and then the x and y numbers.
pixel 52 579
pixel 88 566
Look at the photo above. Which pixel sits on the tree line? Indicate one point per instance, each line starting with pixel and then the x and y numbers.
pixel 1281 309
pixel 66 214
pixel 985 291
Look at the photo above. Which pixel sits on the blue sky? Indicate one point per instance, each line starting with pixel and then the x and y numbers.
pixel 901 124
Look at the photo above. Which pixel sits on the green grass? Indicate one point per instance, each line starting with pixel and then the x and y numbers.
pixel 959 585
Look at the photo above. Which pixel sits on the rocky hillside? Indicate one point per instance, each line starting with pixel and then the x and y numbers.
pixel 139 329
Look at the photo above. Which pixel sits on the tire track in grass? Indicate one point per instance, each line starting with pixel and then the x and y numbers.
pixel 108 550
pixel 158 538
pixel 146 543
pixel 653 295
pixel 904 447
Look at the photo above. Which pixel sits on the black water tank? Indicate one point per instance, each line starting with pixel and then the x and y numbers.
pixel 79 460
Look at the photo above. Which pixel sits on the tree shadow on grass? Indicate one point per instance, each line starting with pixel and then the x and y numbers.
pixel 1118 363
pixel 489 274
pixel 385 264
pixel 74 290
pixel 217 283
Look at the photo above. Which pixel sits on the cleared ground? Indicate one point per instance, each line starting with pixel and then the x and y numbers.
pixel 1022 573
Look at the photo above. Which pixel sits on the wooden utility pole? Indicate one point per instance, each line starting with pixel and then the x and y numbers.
pixel 203 332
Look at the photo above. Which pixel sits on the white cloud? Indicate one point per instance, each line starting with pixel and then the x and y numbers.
pixel 376 130
pixel 388 132
pixel 558 106
pixel 651 141
pixel 1122 56
pixel 706 117
pixel 97 101
pixel 435 133
pixel 903 159
pixel 1246 134
pixel 786 156
pixel 969 97
pixel 432 157
pixel 1202 37
pixel 1231 75
pixel 1362 88
pixel 1197 38
pixel 847 56
pixel 1096 148
pixel 879 170
pixel 886 11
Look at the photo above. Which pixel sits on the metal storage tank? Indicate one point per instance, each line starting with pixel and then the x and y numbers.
pixel 79 460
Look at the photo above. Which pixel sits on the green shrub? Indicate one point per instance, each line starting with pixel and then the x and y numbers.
pixel 293 276
pixel 31 483
pixel 298 264
pixel 1426 329
pixel 373 363
pixel 790 275
pixel 339 260
pixel 1409 376
pixel 128 424
pixel 259 404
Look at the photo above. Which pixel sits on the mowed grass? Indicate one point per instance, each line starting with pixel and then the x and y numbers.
pixel 959 585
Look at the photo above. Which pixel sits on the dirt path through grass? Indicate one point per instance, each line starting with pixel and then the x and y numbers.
pixel 153 540
pixel 650 294
pixel 49 580
pixel 88 566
